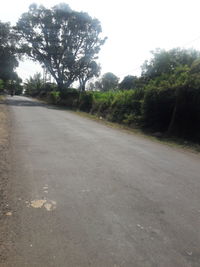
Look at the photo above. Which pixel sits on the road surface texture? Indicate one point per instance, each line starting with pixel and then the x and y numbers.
pixel 85 194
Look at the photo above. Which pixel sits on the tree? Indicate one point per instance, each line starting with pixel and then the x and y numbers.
pixel 129 82
pixel 109 81
pixel 8 60
pixel 63 40
pixel 14 85
pixel 91 70
pixel 34 84
pixel 165 62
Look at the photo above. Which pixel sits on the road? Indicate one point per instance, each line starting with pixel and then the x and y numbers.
pixel 85 194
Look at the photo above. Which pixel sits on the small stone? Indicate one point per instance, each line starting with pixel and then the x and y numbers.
pixel 9 213
pixel 139 226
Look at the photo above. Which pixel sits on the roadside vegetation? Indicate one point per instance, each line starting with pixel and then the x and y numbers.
pixel 164 100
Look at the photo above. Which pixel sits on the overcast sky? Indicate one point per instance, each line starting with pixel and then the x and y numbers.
pixel 133 28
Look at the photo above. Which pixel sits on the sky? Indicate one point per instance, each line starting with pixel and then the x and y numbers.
pixel 133 27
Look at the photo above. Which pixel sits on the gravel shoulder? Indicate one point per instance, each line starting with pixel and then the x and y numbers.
pixel 4 178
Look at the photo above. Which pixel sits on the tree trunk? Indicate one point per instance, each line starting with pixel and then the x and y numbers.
pixel 83 87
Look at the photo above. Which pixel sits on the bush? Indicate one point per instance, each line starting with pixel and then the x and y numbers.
pixel 123 106
pixel 187 119
pixel 46 89
pixel 85 101
pixel 120 106
pixel 69 98
pixel 1 86
pixel 102 102
pixel 54 97
pixel 157 108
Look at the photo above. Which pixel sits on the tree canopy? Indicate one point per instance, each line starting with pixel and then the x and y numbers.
pixel 91 70
pixel 129 82
pixel 63 40
pixel 165 62
pixel 8 60
pixel 109 81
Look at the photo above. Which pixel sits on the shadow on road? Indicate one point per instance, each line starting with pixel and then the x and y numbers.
pixel 24 103
pixel 15 101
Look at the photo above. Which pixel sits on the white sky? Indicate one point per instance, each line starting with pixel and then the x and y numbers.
pixel 133 28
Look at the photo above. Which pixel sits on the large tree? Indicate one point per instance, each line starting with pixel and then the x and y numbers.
pixel 8 60
pixel 63 40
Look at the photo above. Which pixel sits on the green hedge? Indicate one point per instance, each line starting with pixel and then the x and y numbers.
pixel 157 108
pixel 151 108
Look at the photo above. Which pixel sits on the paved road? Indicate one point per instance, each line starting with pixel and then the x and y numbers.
pixel 85 194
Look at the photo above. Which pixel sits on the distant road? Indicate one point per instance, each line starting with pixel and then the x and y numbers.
pixel 85 194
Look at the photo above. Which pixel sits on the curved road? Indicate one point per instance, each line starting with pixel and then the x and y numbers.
pixel 85 194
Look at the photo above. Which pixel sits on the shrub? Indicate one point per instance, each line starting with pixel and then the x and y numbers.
pixel 102 102
pixel 54 97
pixel 69 98
pixel 158 107
pixel 126 107
pixel 85 101
pixel 187 119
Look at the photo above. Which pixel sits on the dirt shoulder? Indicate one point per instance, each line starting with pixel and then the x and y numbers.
pixel 4 178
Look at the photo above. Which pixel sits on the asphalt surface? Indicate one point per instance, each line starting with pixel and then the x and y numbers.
pixel 85 194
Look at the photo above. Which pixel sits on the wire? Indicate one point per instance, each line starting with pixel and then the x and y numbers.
pixel 192 41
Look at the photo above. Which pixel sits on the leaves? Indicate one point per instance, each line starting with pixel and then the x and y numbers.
pixel 8 60
pixel 65 41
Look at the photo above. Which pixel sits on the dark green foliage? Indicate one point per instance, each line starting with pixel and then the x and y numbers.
pixel 47 88
pixel 69 98
pixel 1 86
pixel 121 107
pixel 124 106
pixel 129 82
pixel 33 85
pixel 8 60
pixel 92 69
pixel 102 102
pixel 54 97
pixel 187 120
pixel 167 61
pixel 157 108
pixel 66 42
pixel 85 102
pixel 109 81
